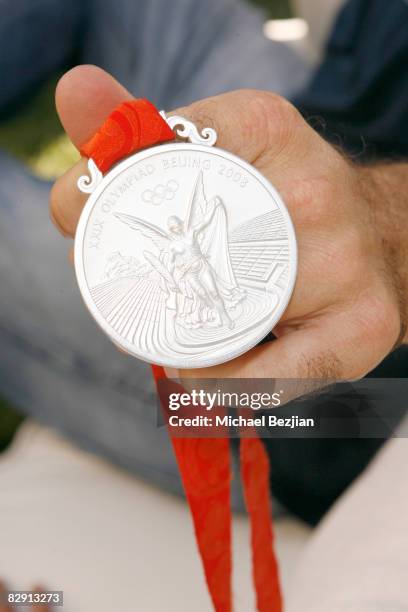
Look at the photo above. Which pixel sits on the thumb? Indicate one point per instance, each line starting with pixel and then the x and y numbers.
pixel 85 97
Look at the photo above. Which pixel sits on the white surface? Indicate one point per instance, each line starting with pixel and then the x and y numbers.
pixel 357 560
pixel 111 542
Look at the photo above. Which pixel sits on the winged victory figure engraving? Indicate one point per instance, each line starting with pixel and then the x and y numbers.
pixel 193 261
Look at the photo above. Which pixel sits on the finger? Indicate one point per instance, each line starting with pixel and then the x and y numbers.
pixel 67 201
pixel 85 97
pixel 4 607
pixel 332 347
pixel 249 123
pixel 265 130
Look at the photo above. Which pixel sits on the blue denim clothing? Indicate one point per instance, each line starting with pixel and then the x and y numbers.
pixel 36 37
pixel 55 364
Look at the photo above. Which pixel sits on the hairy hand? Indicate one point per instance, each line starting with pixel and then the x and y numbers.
pixel 348 309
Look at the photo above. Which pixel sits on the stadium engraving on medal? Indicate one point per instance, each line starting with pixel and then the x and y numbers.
pixel 185 255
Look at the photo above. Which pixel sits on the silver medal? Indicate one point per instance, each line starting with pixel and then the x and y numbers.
pixel 185 254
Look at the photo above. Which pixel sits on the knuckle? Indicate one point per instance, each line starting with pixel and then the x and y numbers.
pixel 311 200
pixel 203 113
pixel 262 116
pixel 277 117
pixel 274 106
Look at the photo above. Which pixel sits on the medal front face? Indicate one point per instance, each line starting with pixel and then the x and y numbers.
pixel 185 255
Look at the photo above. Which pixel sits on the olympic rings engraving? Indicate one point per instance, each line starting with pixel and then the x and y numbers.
pixel 160 193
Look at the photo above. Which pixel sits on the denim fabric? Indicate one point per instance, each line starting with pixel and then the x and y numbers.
pixel 36 37
pixel 55 364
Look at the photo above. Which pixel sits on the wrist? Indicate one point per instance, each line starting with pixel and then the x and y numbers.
pixel 385 188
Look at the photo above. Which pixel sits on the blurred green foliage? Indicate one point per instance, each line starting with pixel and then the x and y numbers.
pixel 34 134
pixel 276 9
pixel 33 125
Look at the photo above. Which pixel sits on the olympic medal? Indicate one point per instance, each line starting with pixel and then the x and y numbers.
pixel 185 255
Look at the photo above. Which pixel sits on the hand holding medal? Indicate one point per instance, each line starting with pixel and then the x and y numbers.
pixel 321 332
pixel 206 286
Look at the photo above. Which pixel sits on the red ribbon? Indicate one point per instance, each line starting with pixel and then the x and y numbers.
pixel 130 127
pixel 204 463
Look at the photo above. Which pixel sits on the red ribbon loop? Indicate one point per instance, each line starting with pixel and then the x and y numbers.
pixel 130 127
pixel 204 463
